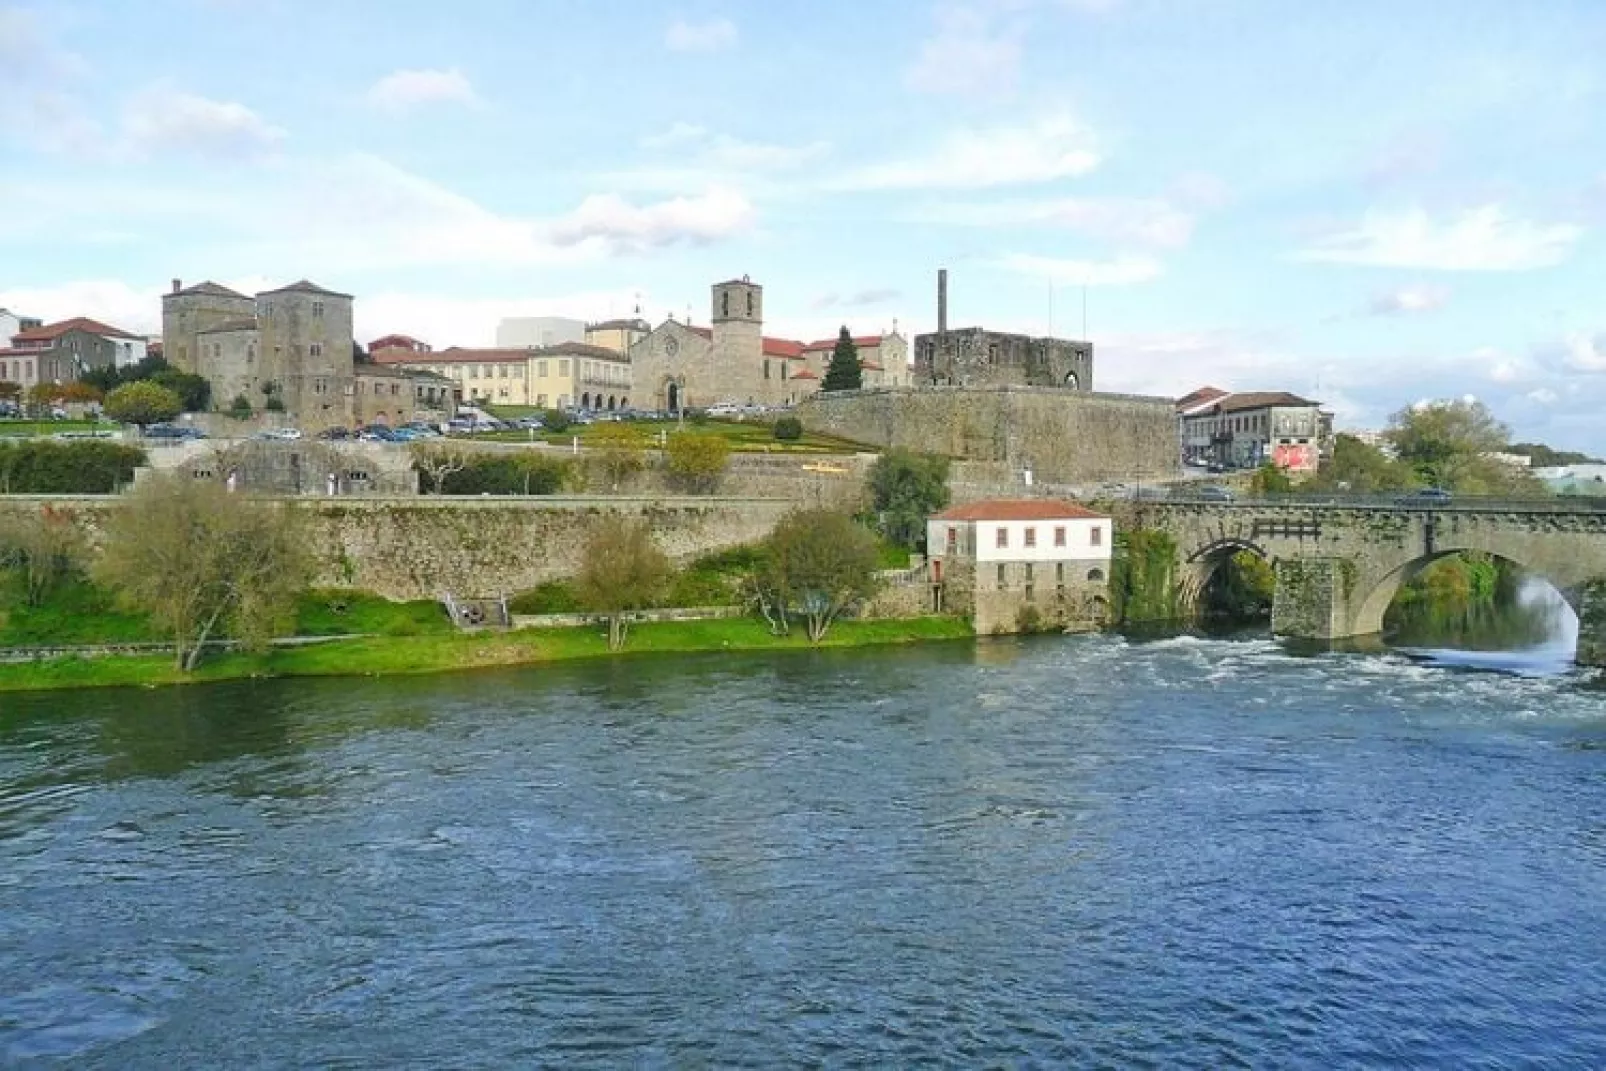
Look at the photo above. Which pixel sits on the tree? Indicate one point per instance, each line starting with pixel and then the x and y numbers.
pixel 1270 479
pixel 198 560
pixel 43 393
pixel 1360 467
pixel 43 547
pixel 1541 455
pixel 617 450
pixel 844 372
pixel 437 461
pixel 10 391
pixel 906 489
pixel 142 402
pixel 79 392
pixel 1451 444
pixel 819 562
pixel 240 408
pixel 555 421
pixel 194 392
pixel 697 460
pixel 622 570
pixel 788 429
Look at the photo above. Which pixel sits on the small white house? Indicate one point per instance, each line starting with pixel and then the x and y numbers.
pixel 1015 559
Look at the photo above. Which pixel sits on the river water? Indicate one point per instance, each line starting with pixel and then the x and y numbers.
pixel 1067 851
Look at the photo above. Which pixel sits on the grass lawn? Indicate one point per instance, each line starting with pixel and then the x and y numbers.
pixel 438 653
pixel 751 436
pixel 76 612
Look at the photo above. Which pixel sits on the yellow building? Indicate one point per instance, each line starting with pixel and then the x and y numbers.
pixel 569 375
pixel 617 335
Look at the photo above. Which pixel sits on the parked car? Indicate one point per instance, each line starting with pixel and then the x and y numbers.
pixel 376 433
pixel 1426 496
pixel 335 434
pixel 283 434
pixel 723 409
pixel 1215 467
pixel 1213 492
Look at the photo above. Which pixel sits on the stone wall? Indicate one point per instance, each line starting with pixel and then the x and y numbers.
pixel 977 357
pixel 422 548
pixel 1062 436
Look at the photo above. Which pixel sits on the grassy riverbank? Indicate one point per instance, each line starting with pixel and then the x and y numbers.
pixel 397 655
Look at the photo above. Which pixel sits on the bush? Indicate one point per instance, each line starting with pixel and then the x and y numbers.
pixel 788 429
pixel 240 408
pixel 555 420
pixel 506 474
pixel 553 597
pixel 696 461
pixel 274 404
pixel 143 403
pixel 45 467
pixel 907 488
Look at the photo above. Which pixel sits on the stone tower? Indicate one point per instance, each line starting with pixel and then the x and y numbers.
pixel 738 337
pixel 188 311
pixel 307 351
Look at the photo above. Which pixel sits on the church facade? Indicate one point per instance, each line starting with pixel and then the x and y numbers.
pixel 679 366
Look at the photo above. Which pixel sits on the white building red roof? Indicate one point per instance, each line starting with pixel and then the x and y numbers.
pixel 51 332
pixel 1018 509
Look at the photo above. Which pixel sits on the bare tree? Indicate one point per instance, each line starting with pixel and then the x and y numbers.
pixel 622 570
pixel 44 548
pixel 619 451
pixel 200 560
pixel 437 461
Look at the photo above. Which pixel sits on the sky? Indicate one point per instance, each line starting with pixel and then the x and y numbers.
pixel 1371 203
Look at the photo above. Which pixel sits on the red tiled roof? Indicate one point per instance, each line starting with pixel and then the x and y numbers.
pixel 782 347
pixel 6 352
pixel 805 374
pixel 1199 397
pixel 50 332
pixel 1018 509
pixel 861 341
pixel 398 341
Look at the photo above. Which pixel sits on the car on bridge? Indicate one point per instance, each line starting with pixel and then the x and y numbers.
pixel 1426 496
pixel 1212 492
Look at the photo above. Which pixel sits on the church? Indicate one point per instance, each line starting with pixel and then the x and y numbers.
pixel 678 366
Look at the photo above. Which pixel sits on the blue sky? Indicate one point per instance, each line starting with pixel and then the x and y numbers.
pixel 1369 202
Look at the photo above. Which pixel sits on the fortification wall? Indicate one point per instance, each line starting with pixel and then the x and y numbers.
pixel 423 547
pixel 1062 436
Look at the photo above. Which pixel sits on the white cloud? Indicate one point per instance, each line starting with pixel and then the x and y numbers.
pixel 403 90
pixel 856 299
pixel 111 301
pixel 163 120
pixel 721 152
pixel 1409 299
pixel 1482 239
pixel 449 320
pixel 1582 352
pixel 967 54
pixel 1543 396
pixel 619 225
pixel 710 36
pixel 1053 147
pixel 1121 271
pixel 1141 221
pixel 678 134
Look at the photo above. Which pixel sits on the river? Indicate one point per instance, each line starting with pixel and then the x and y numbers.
pixel 1063 851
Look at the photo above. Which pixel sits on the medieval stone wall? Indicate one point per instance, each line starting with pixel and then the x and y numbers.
pixel 977 357
pixel 1062 436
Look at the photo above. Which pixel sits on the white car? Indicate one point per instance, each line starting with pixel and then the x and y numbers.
pixel 723 409
pixel 287 434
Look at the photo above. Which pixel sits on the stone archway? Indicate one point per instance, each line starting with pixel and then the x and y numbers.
pixel 1372 604
pixel 674 398
pixel 612 403
pixel 1201 566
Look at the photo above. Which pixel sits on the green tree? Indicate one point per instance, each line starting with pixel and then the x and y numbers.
pixel 143 403
pixel 1268 480
pixel 1544 456
pixel 240 408
pixel 10 391
pixel 906 488
pixel 1360 467
pixel 555 421
pixel 1242 588
pixel 818 563
pixel 1448 443
pixel 696 460
pixel 621 571
pixel 788 429
pixel 199 560
pixel 194 392
pixel 844 372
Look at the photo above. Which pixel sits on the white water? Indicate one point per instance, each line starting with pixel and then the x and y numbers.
pixel 1554 655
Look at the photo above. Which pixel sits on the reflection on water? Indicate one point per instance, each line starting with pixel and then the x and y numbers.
pixel 1532 633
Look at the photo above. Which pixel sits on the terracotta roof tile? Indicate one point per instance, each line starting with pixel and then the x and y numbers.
pixel 861 341
pixel 50 332
pixel 1018 509
pixel 805 374
pixel 450 355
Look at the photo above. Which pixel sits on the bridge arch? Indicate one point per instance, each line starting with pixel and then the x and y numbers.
pixel 1200 566
pixel 1373 602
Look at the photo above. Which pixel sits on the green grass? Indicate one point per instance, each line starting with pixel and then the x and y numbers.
pixel 75 612
pixel 26 428
pixel 354 613
pixel 890 555
pixel 753 436
pixel 398 655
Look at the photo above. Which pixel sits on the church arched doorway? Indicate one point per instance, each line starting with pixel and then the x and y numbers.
pixel 674 397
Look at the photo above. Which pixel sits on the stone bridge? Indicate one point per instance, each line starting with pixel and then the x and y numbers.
pixel 1340 562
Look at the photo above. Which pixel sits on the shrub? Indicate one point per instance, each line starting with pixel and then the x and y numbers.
pixel 274 404
pixel 696 461
pixel 45 466
pixel 788 429
pixel 506 474
pixel 240 408
pixel 908 488
pixel 555 420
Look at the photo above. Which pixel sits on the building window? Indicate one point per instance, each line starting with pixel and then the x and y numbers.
pixel 1003 536
pixel 217 349
pixel 766 368
pixel 501 371
pixel 1095 574
pixel 1001 580
pixel 749 303
pixel 1095 536
pixel 725 303
pixel 540 369
pixel 316 349
pixel 563 368
pixel 1030 575
pixel 1059 535
pixel 1059 574
pixel 1030 541
pixel 953 538
pixel 317 310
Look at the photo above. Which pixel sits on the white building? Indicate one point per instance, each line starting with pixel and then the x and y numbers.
pixel 524 332
pixel 1008 561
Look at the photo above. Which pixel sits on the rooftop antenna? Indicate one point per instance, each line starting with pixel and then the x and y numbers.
pixel 638 303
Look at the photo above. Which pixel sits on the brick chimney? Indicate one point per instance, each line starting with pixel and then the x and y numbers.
pixel 942 300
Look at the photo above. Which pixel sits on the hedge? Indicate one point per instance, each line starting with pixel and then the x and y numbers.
pixel 52 467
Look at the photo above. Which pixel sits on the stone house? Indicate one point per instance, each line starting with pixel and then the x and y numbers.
pixel 294 344
pixel 883 359
pixel 1248 429
pixel 1021 564
pixel 62 352
pixel 392 395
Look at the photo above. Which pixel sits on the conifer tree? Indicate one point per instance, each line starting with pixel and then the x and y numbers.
pixel 844 372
